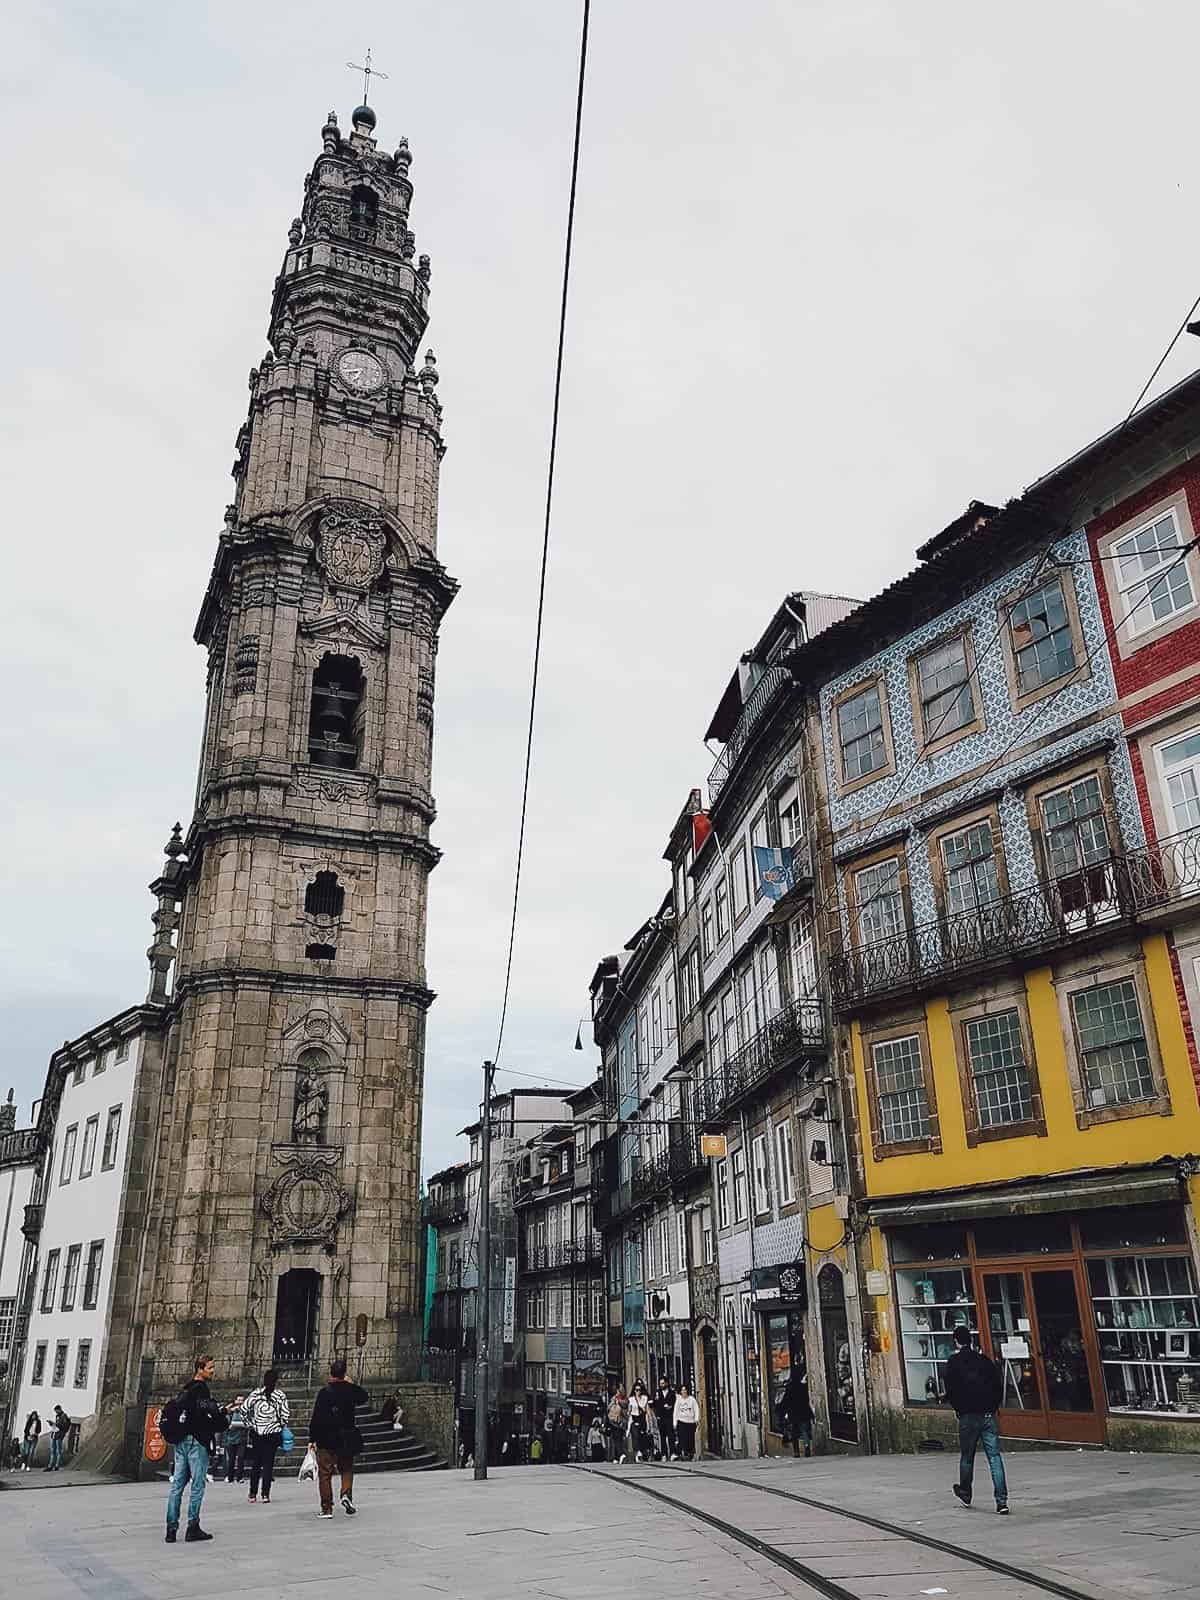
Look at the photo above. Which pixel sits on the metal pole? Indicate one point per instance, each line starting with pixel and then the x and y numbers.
pixel 483 1315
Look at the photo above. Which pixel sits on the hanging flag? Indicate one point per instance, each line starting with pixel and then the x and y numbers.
pixel 701 828
pixel 579 1037
pixel 775 868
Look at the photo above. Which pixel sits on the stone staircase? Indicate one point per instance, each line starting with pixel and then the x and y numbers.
pixel 386 1449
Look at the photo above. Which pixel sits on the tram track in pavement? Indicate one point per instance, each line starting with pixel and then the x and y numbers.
pixel 823 1584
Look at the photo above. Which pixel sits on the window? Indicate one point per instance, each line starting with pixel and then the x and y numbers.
pixel 50 1280
pixel 802 951
pixel 101 1063
pixel 879 901
pixel 708 1244
pixel 860 734
pixel 768 979
pixel 581 1308
pixel 791 817
pixel 38 1374
pixel 112 1138
pixel 1114 1056
pixel 123 1050
pixel 759 1161
pixel 737 1163
pixel 1042 642
pixel 681 1252
pixel 335 713
pixel 324 896
pixel 651 1263
pixel 1000 1082
pixel 551 1380
pixel 741 883
pixel 8 1321
pixel 716 1054
pixel 747 1003
pixel 1146 1309
pixel 900 1090
pixel 785 1170
pixel 943 679
pixel 83 1360
pixel 664 1245
pixel 722 1194
pixel 68 1153
pixel 1179 764
pixel 91 1277
pixel 969 868
pixel 60 1363
pixel 597 1306
pixel 933 1300
pixel 79 1073
pixel 1077 849
pixel 669 990
pixel 71 1277
pixel 1152 574
pixel 729 1023
pixel 706 928
pixel 87 1156
pixel 656 1030
pixel 721 908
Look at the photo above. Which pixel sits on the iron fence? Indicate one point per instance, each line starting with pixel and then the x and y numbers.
pixel 763 696
pixel 1165 872
pixel 793 1034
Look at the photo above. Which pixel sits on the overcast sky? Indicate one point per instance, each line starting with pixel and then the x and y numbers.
pixel 840 268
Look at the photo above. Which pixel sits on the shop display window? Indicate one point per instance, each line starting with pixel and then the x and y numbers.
pixel 933 1302
pixel 1148 1325
pixel 784 1333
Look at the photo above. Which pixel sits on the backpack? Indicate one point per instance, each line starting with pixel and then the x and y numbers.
pixel 535 1450
pixel 173 1420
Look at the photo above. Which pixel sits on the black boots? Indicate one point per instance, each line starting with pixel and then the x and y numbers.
pixel 195 1534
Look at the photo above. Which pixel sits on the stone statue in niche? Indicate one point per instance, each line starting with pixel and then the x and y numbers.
pixel 312 1109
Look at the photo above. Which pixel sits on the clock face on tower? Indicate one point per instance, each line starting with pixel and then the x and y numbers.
pixel 360 371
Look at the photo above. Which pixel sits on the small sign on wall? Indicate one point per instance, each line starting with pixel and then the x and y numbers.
pixel 713 1144
pixel 877 1281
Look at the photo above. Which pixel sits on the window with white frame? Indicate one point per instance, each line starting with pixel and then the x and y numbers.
pixel 802 951
pixel 741 882
pixel 1113 1051
pixel 643 1035
pixel 747 1002
pixel 1152 574
pixel 768 979
pixel 597 1305
pixel 656 1028
pixel 879 901
pixel 760 1168
pixel 91 1277
pixel 785 1169
pixel 581 1307
pixel 1179 767
pixel 87 1153
pixel 791 815
pixel 112 1138
pixel 8 1321
pixel 664 1245
pixel 71 1277
pixel 737 1167
pixel 900 1088
pixel 50 1280
pixel 551 1379
pixel 681 1225
pixel 708 1244
pixel 651 1256
pixel 729 1023
pixel 552 1306
pixel 68 1154
pixel 669 994
pixel 722 1194
pixel 721 908
pixel 760 839
pixel 707 928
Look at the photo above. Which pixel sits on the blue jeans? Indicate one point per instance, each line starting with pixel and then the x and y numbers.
pixel 977 1428
pixel 56 1447
pixel 191 1461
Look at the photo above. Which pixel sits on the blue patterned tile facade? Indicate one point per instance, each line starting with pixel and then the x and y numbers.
pixel 1003 728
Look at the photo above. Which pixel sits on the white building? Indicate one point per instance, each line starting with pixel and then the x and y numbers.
pixel 18 1161
pixel 83 1131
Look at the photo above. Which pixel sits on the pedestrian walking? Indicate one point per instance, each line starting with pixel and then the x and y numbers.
pixel 664 1414
pixel 795 1408
pixel 29 1440
pixel 60 1427
pixel 639 1421
pixel 335 1433
pixel 974 1387
pixel 267 1416
pixel 190 1422
pixel 235 1442
pixel 596 1439
pixel 618 1422
pixel 686 1420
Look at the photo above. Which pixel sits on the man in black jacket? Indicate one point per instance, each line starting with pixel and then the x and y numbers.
pixel 205 1419
pixel 335 1433
pixel 974 1388
pixel 663 1406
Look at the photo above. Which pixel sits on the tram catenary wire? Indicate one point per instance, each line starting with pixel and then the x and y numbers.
pixel 826 1585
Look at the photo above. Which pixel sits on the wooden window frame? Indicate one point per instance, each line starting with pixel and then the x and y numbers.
pixel 1128 638
pixel 850 870
pixel 946 829
pixel 1117 966
pixel 976 724
pixel 900 1028
pixel 1007 995
pixel 1005 608
pixel 874 680
pixel 1038 788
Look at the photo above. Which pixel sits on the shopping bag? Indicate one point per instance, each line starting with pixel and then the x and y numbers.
pixel 308 1467
pixel 287 1439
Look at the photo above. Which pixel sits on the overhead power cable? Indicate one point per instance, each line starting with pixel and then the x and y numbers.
pixel 541 594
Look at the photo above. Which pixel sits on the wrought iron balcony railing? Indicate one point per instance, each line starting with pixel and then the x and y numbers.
pixel 762 697
pixel 446 1212
pixel 550 1257
pixel 793 1034
pixel 1165 873
pixel 1032 921
pixel 662 1172
pixel 20 1146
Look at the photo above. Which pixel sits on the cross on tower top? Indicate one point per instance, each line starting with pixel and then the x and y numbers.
pixel 368 72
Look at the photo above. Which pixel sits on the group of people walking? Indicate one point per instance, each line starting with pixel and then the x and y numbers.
pixel 60 1426
pixel 256 1428
pixel 661 1427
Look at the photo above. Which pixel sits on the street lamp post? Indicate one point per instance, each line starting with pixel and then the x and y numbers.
pixel 483 1317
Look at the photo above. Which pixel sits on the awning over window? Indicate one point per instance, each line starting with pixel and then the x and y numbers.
pixel 1132 1186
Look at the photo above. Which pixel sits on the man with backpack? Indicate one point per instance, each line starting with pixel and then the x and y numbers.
pixel 334 1431
pixel 974 1388
pixel 190 1422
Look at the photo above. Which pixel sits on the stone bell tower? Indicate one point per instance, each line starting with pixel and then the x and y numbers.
pixel 272 1208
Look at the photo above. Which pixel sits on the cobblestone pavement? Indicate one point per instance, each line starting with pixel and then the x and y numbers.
pixel 1114 1527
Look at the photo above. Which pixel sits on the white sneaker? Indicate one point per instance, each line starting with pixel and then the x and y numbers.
pixel 624 1459
pixel 325 1515
pixel 674 1458
pixel 639 1456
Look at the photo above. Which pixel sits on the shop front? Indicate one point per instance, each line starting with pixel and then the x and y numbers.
pixel 780 1302
pixel 1091 1311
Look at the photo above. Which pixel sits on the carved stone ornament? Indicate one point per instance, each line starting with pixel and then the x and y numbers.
pixel 305 1203
pixel 351 546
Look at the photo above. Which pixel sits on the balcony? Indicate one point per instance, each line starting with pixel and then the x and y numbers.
pixel 764 695
pixel 31 1227
pixel 446 1212
pixel 552 1257
pixel 1019 927
pixel 795 1034
pixel 18 1147
pixel 1164 878
pixel 666 1171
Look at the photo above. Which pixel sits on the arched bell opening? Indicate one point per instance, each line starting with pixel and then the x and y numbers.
pixel 335 715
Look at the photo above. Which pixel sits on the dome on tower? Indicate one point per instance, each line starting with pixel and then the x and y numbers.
pixel 363 114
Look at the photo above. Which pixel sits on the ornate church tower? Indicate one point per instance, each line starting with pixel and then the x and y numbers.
pixel 272 1208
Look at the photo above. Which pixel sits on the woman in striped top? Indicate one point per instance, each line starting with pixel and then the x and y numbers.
pixel 266 1411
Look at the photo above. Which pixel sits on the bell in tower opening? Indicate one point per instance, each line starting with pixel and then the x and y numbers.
pixel 282 1147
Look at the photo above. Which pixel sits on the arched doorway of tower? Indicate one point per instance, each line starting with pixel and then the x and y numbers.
pixel 839 1371
pixel 297 1308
